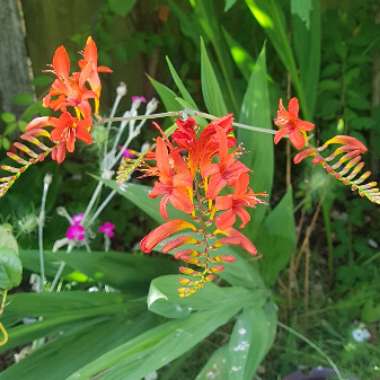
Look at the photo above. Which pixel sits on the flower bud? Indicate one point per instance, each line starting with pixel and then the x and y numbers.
pixel 184 281
pixel 217 268
pixel 152 105
pixel 121 89
pixel 186 270
pixel 47 179
pixel 228 258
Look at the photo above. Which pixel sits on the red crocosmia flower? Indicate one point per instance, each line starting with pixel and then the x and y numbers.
pixel 90 69
pixel 234 237
pixel 162 232
pixel 184 136
pixel 193 167
pixel 66 90
pixel 66 130
pixel 291 125
pixel 175 181
pixel 226 172
pixel 235 204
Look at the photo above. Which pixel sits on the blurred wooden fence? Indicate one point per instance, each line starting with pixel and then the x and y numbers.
pixel 50 23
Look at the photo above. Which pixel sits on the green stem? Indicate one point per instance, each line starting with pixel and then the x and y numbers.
pixel 328 233
pixel 191 112
pixel 314 346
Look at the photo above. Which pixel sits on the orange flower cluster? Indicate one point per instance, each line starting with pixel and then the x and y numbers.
pixel 71 91
pixel 70 95
pixel 199 173
pixel 344 163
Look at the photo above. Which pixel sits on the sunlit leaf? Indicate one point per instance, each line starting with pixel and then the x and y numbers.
pixel 259 155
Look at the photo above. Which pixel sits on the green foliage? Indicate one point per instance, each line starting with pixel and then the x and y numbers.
pixel 259 156
pixel 211 90
pixel 277 239
pixel 10 264
pixel 121 8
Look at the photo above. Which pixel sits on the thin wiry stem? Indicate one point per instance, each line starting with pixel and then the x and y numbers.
pixel 109 124
pixel 57 275
pixel 102 206
pixel 41 224
pixel 190 113
pixel 314 346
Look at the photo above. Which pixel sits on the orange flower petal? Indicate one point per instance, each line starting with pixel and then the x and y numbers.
pixel 234 237
pixel 162 232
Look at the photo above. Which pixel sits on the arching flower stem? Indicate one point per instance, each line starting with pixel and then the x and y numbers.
pixel 187 112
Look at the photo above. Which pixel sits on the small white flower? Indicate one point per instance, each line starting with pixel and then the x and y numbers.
pixel 361 334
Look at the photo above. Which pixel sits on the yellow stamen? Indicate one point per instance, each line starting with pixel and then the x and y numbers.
pixel 96 106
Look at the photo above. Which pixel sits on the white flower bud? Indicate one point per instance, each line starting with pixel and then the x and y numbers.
pixel 121 89
pixel 145 147
pixel 48 179
pixel 151 106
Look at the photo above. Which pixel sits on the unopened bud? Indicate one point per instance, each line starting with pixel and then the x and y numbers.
pixel 184 281
pixel 183 255
pixel 152 105
pixel 48 179
pixel 121 89
pixel 186 270
pixel 217 268
pixel 228 258
pixel 145 147
pixel 209 277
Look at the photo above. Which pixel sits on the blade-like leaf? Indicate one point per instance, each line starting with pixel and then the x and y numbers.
pixel 277 239
pixel 159 346
pixel 78 346
pixel 229 5
pixel 302 9
pixel 241 57
pixel 251 338
pixel 167 96
pixel 259 156
pixel 306 22
pixel 60 310
pixel 125 271
pixel 121 8
pixel 163 298
pixel 205 11
pixel 269 15
pixel 211 90
pixel 217 366
pixel 180 85
pixel 10 264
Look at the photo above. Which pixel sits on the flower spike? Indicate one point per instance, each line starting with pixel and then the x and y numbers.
pixel 69 94
pixel 344 162
pixel 199 173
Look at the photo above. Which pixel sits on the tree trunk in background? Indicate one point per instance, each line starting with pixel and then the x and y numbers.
pixel 15 76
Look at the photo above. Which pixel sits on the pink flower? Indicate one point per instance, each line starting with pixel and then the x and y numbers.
pixel 127 153
pixel 140 99
pixel 76 232
pixel 108 229
pixel 77 219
